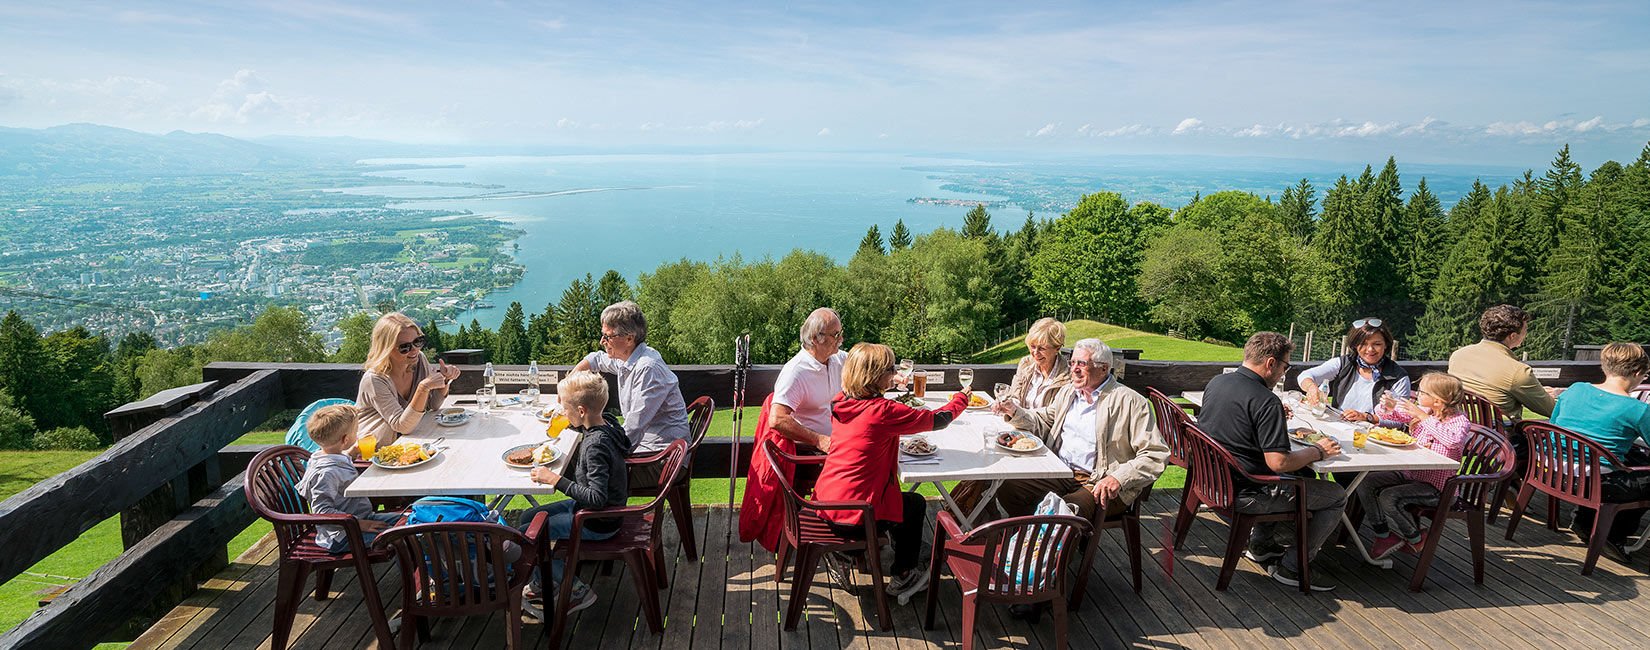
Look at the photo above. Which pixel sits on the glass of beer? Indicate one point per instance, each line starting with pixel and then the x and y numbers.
pixel 1360 435
pixel 919 385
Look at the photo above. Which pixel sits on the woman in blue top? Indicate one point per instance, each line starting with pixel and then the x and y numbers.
pixel 1356 379
pixel 1607 414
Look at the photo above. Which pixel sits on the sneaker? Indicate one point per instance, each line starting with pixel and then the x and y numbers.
pixel 906 585
pixel 532 612
pixel 1414 547
pixel 583 597
pixel 1263 554
pixel 1616 551
pixel 1292 579
pixel 836 566
pixel 1384 546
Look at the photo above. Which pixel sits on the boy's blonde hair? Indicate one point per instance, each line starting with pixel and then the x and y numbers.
pixel 867 364
pixel 583 388
pixel 328 424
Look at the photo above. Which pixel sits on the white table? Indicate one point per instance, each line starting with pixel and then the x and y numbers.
pixel 1374 457
pixel 963 456
pixel 473 461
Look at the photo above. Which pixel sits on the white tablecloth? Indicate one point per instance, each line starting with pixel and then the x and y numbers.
pixel 963 455
pixel 473 463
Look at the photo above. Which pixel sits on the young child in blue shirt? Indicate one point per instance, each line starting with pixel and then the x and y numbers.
pixel 331 469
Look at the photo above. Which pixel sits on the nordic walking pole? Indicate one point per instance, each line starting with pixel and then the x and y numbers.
pixel 741 369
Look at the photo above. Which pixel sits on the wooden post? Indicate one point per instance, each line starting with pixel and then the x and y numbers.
pixel 1306 350
pixel 160 506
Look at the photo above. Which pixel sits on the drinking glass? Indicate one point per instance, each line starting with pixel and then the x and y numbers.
pixel 965 376
pixel 1001 392
pixel 484 400
pixel 906 366
pixel 367 445
pixel 530 396
pixel 1360 435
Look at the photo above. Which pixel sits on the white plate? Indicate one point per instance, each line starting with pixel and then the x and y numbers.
pixel 554 454
pixel 542 417
pixel 434 454
pixel 1022 434
pixel 913 454
pixel 453 423
pixel 982 394
pixel 1384 443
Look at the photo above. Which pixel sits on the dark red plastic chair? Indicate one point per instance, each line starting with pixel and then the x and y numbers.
pixel 1567 466
pixel 677 495
pixel 637 543
pixel 1213 480
pixel 1129 522
pixel 812 537
pixel 1485 413
pixel 271 489
pixel 1020 560
pixel 458 569
pixel 1171 419
pixel 1486 462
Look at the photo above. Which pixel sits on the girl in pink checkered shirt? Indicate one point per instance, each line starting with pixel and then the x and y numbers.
pixel 1436 421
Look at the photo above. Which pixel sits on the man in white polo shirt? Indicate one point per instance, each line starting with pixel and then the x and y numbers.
pixel 802 395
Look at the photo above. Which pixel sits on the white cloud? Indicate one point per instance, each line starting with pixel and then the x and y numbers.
pixel 565 123
pixel 1415 129
pixel 1187 125
pixel 1046 130
pixel 824 132
pixel 1084 129
pixel 1590 124
pixel 1364 130
pixel 1132 129
pixel 1641 122
pixel 881 136
pixel 554 25
pixel 651 126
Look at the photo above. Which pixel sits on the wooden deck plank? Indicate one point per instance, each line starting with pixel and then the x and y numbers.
pixel 1533 597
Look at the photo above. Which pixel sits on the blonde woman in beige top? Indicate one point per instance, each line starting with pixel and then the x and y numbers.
pixel 1044 371
pixel 399 386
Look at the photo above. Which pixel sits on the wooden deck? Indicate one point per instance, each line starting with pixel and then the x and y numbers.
pixel 1533 597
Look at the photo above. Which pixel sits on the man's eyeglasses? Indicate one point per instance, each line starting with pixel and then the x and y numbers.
pixel 1371 322
pixel 404 348
pixel 608 337
pixel 832 335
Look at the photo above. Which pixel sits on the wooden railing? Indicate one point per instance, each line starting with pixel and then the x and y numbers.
pixel 164 477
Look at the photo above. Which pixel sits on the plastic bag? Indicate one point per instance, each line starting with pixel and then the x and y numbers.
pixel 1016 557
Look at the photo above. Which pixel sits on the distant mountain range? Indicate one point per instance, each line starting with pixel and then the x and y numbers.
pixel 74 150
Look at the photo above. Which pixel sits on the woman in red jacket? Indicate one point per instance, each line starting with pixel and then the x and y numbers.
pixel 864 460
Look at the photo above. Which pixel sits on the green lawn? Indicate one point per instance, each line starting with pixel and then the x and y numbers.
pixel 1154 347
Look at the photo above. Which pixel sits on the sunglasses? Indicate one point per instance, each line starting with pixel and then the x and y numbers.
pixel 404 348
pixel 1370 322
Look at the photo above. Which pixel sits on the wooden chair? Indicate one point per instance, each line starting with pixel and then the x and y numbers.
pixel 271 490
pixel 1129 522
pixel 1485 413
pixel 459 569
pixel 637 543
pixel 677 494
pixel 1021 560
pixel 1486 462
pixel 808 533
pixel 1567 466
pixel 1213 482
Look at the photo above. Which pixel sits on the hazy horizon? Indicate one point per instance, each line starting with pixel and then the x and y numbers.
pixel 1473 83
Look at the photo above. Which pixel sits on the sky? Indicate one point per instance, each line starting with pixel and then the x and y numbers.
pixel 1479 82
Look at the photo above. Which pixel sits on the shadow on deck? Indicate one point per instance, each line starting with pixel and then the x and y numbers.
pixel 1533 597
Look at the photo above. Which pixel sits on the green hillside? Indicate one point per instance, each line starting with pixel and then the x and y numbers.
pixel 1155 347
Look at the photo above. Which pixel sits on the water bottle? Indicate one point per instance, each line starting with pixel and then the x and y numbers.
pixel 533 383
pixel 484 397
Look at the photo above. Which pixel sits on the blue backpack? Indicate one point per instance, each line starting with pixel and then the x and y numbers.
pixel 429 510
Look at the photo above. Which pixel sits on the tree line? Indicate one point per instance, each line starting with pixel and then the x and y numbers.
pixel 1568 245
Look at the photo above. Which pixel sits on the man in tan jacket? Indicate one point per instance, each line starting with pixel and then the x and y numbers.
pixel 1101 428
pixel 1489 369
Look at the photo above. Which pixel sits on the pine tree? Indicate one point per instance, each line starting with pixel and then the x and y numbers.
pixel 578 323
pixel 1342 237
pixel 26 371
pixel 1384 287
pixel 434 340
pixel 513 346
pixel 1553 191
pixel 1428 241
pixel 1297 211
pixel 611 289
pixel 900 238
pixel 873 241
pixel 1484 268
pixel 977 223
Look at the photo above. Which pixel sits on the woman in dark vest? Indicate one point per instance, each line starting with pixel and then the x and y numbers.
pixel 1356 380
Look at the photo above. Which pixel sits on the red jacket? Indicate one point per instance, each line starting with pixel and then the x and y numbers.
pixel 762 516
pixel 864 460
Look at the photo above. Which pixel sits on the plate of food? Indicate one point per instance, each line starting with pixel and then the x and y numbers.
pixel 917 446
pixel 909 399
pixel 1390 437
pixel 1306 435
pixel 1019 442
pixel 452 417
pixel 526 456
pixel 977 401
pixel 404 455
pixel 547 414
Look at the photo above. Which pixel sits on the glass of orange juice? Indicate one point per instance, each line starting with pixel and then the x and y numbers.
pixel 557 423
pixel 367 445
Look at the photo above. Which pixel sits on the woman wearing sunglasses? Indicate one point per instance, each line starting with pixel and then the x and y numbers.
pixel 1356 380
pixel 400 385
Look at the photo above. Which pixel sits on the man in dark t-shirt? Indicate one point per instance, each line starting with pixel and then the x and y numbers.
pixel 1241 414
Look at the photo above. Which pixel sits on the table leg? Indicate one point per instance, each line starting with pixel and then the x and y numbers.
pixel 979 508
pixel 1358 542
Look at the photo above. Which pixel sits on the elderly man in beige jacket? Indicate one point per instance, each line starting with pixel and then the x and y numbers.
pixel 1101 428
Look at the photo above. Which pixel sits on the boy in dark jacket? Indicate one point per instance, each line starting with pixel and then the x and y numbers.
pixel 595 479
